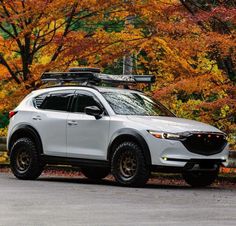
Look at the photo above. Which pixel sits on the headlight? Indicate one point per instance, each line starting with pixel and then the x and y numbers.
pixel 171 136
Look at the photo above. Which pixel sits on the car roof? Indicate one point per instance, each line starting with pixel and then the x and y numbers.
pixel 115 89
pixel 100 89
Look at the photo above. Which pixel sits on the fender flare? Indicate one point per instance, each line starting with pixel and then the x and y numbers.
pixel 25 131
pixel 124 135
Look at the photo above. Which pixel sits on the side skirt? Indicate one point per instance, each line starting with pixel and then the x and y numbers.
pixel 55 160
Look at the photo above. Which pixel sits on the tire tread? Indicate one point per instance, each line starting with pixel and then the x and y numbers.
pixel 36 166
pixel 143 170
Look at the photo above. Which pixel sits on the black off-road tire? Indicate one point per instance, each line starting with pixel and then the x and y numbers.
pixel 95 173
pixel 128 165
pixel 25 160
pixel 200 179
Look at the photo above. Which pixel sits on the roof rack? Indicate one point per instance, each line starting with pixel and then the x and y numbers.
pixel 85 69
pixel 93 76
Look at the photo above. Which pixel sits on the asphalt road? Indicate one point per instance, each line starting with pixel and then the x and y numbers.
pixel 75 201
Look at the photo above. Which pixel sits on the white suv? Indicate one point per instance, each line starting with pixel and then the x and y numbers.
pixel 110 130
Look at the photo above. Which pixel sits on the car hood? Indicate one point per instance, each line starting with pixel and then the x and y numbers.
pixel 172 124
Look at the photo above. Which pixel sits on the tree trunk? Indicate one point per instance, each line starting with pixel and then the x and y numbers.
pixel 127 65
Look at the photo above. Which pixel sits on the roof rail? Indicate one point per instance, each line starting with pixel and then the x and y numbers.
pixel 93 76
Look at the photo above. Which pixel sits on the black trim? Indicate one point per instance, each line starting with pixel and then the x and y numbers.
pixel 166 169
pixel 124 134
pixel 175 160
pixel 207 160
pixel 195 160
pixel 55 160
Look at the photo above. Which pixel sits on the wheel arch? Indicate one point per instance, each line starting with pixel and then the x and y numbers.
pixel 25 131
pixel 129 135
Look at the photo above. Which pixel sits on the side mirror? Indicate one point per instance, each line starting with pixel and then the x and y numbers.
pixel 94 111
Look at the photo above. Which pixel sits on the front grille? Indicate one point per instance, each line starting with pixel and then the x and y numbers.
pixel 205 143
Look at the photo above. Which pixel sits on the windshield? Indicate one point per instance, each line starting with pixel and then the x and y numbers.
pixel 129 103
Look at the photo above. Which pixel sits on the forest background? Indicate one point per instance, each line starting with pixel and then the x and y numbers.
pixel 189 45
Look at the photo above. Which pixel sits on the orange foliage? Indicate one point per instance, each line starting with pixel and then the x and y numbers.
pixel 191 54
pixel 187 54
pixel 37 36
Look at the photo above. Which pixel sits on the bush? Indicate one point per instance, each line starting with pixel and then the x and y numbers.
pixel 3 120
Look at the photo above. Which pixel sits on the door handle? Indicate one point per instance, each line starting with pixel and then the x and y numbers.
pixel 37 117
pixel 72 123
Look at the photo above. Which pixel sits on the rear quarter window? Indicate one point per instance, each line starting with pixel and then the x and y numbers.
pixel 58 101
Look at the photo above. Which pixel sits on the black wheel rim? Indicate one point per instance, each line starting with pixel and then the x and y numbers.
pixel 23 160
pixel 127 165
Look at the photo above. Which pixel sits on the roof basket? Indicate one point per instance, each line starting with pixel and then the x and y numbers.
pixel 84 69
pixel 67 76
pixel 93 76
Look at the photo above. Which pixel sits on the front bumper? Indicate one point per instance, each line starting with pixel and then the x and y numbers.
pixel 172 153
pixel 203 165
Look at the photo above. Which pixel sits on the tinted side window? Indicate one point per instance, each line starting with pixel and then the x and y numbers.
pixel 54 101
pixel 82 101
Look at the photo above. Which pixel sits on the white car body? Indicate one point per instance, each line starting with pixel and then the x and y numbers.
pixel 82 136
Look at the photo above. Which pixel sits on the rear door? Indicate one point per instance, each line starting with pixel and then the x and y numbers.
pixel 50 120
pixel 87 137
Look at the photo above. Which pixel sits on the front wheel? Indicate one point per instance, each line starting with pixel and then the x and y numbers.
pixel 200 178
pixel 129 166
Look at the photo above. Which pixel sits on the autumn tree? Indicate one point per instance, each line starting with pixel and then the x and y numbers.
pixel 188 55
pixel 188 45
pixel 37 36
pixel 40 32
pixel 216 16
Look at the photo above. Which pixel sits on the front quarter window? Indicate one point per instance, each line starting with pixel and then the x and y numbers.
pixel 134 103
pixel 83 100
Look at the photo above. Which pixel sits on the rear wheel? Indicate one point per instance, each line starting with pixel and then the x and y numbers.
pixel 129 166
pixel 200 178
pixel 24 159
pixel 95 173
